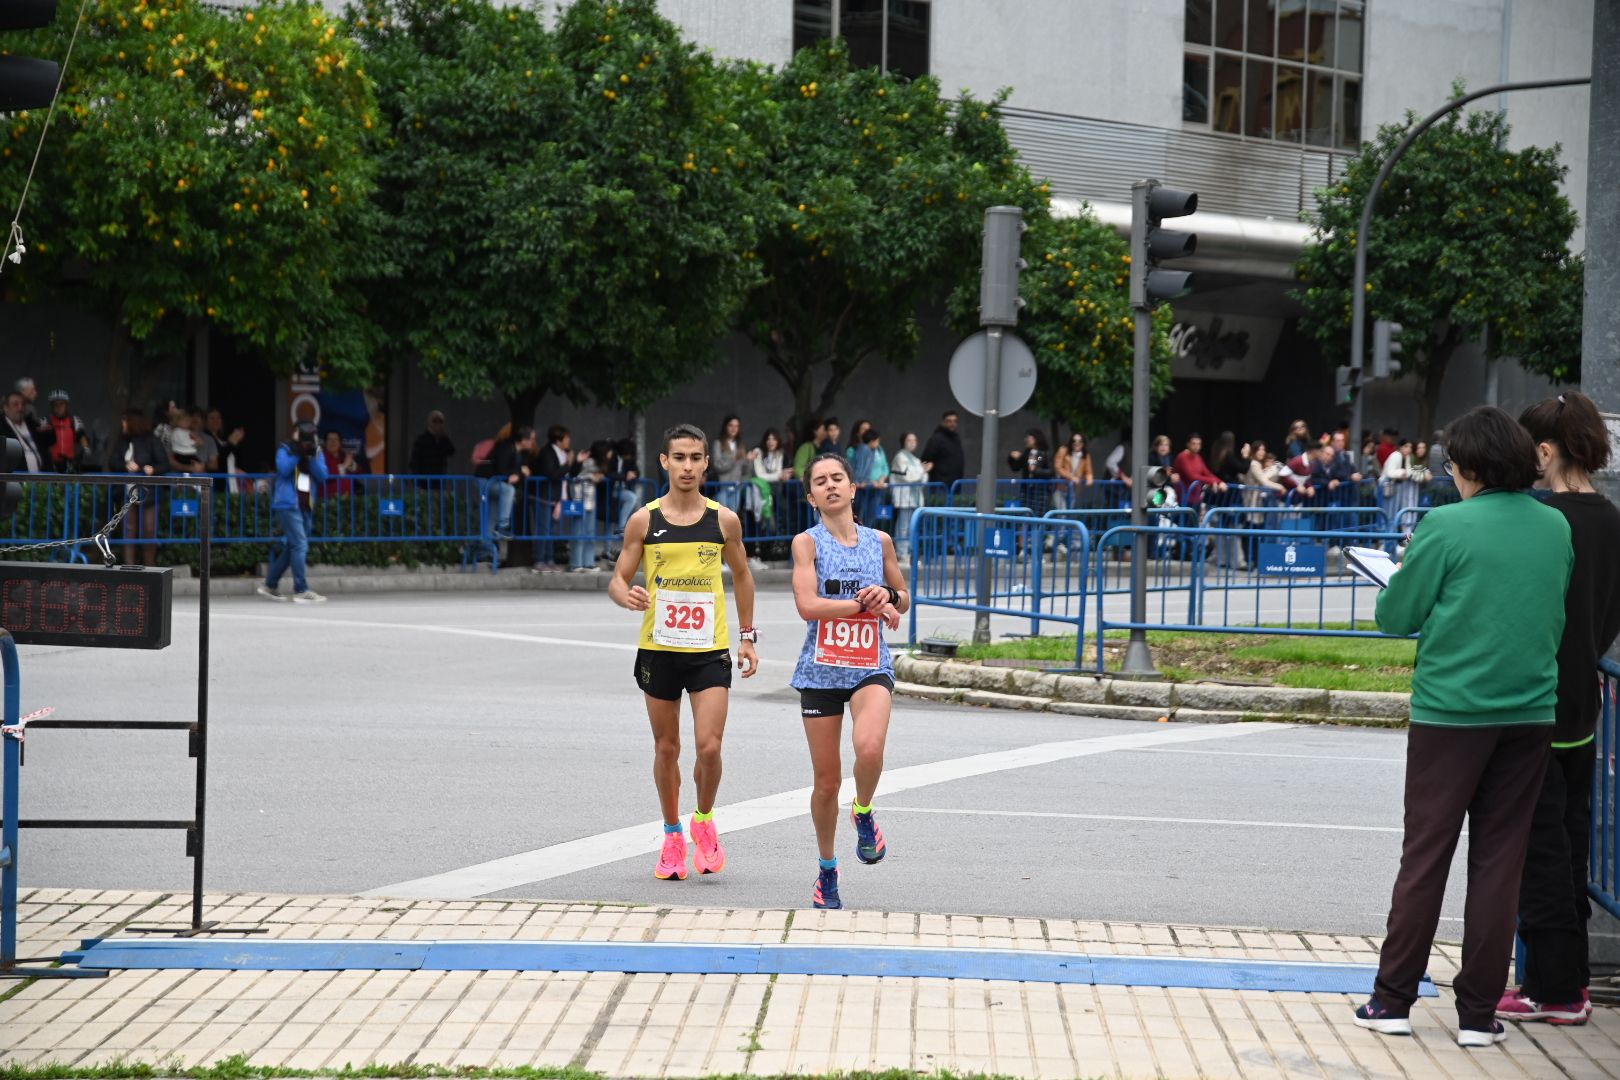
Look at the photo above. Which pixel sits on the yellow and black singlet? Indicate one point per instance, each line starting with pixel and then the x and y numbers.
pixel 681 564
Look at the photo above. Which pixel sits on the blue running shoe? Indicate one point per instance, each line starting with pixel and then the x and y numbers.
pixel 826 892
pixel 869 845
pixel 1375 1017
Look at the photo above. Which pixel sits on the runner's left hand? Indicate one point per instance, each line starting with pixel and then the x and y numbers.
pixel 890 617
pixel 747 659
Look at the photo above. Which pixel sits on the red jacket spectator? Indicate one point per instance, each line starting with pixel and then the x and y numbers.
pixel 1386 447
pixel 1191 467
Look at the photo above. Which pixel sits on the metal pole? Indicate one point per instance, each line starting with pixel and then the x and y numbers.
pixel 985 502
pixel 1138 658
pixel 11 806
pixel 205 560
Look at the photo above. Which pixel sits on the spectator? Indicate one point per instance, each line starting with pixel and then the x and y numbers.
pixel 1571 445
pixel 1368 464
pixel 1299 439
pixel 30 395
pixel 732 463
pixel 815 434
pixel 583 489
pixel 231 459
pixel 1231 465
pixel 136 452
pixel 1264 478
pixel 1437 454
pixel 508 468
pixel 207 447
pixel 1190 467
pixel 1344 465
pixel 299 466
pixel 857 439
pixel 769 474
pixel 871 474
pixel 1159 457
pixel 1484 580
pixel 1115 465
pixel 432 450
pixel 1400 487
pixel 340 462
pixel 554 465
pixel 908 475
pixel 943 456
pixel 1418 466
pixel 67 444
pixel 1386 446
pixel 626 479
pixel 177 435
pixel 829 438
pixel 17 420
pixel 1032 466
pixel 1073 465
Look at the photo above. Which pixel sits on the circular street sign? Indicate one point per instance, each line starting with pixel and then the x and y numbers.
pixel 968 365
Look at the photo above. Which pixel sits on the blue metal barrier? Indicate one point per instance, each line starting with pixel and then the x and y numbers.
pixel 1295 568
pixel 1043 495
pixel 948 546
pixel 1604 857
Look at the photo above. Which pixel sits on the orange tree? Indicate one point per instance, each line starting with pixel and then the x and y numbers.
pixel 1079 324
pixel 202 166
pixel 568 210
pixel 879 189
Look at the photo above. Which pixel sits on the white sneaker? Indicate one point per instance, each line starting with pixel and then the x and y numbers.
pixel 756 564
pixel 308 596
pixel 270 594
pixel 1469 1039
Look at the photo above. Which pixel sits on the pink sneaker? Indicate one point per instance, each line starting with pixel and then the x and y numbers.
pixel 708 854
pixel 1516 1006
pixel 672 860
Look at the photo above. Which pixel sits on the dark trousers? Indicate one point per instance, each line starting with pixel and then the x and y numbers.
pixel 1553 905
pixel 1491 774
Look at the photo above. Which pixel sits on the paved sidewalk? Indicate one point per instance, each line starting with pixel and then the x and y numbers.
pixel 691 1025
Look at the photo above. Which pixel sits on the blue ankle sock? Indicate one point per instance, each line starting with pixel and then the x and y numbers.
pixel 828 864
pixel 675 828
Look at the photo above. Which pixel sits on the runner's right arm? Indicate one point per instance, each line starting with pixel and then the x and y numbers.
pixel 620 589
pixel 806 595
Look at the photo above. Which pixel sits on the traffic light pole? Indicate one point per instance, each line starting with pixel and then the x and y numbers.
pixel 1138 661
pixel 985 500
pixel 1358 287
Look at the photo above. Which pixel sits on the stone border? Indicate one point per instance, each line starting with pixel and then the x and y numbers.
pixel 971 683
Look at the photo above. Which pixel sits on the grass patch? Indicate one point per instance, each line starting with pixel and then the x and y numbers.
pixel 1377 664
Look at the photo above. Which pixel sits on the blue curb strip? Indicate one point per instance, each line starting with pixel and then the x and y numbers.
pixel 1039 966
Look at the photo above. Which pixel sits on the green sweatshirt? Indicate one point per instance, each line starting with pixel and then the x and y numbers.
pixel 1483 581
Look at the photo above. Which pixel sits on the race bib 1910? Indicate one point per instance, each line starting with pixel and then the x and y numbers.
pixel 684 620
pixel 850 643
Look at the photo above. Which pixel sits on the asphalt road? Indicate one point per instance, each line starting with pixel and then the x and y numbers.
pixel 495 744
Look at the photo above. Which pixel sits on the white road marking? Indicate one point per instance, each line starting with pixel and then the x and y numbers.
pixel 889 808
pixel 1246 753
pixel 587 852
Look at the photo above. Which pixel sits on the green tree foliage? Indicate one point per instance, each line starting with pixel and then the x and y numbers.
pixel 1469 240
pixel 879 188
pixel 1079 323
pixel 202 166
pixel 568 209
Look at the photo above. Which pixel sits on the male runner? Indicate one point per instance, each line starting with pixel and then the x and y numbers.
pixel 678 541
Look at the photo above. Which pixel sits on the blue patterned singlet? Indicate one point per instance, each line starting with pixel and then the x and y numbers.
pixel 841 572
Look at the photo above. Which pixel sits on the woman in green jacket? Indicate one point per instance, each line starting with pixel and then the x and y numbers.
pixel 1483 583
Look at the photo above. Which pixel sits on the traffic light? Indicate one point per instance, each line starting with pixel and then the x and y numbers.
pixel 1151 204
pixel 14 463
pixel 1346 381
pixel 1386 346
pixel 26 83
pixel 1160 494
pixel 998 280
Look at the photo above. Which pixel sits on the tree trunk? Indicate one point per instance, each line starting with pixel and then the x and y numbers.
pixel 520 407
pixel 1434 377
pixel 118 374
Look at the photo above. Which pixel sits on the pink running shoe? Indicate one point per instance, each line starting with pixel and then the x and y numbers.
pixel 1516 1006
pixel 672 860
pixel 708 854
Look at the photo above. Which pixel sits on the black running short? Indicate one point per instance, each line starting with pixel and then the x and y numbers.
pixel 813 703
pixel 664 675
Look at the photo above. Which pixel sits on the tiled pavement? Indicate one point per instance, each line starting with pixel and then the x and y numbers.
pixel 690 1025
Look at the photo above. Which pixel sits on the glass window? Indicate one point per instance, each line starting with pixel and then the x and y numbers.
pixel 1229 24
pixel 1257 97
pixel 1291 32
pixel 1349 39
pixel 860 23
pixel 1262 28
pixel 1319 110
pixel 908 38
pixel 1228 94
pixel 1200 16
pixel 1349 128
pixel 812 22
pixel 1195 88
pixel 1319 36
pixel 1289 107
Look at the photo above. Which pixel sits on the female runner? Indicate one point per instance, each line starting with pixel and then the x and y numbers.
pixel 848 586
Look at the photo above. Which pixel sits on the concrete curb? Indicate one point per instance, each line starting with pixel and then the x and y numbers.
pixel 970 683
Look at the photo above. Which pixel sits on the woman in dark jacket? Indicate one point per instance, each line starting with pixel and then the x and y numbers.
pixel 1572 443
pixel 139 453
pixel 1033 464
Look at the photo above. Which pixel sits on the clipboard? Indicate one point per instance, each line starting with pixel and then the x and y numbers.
pixel 1370 564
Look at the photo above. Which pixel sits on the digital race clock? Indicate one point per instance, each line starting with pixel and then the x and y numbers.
pixel 117 607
